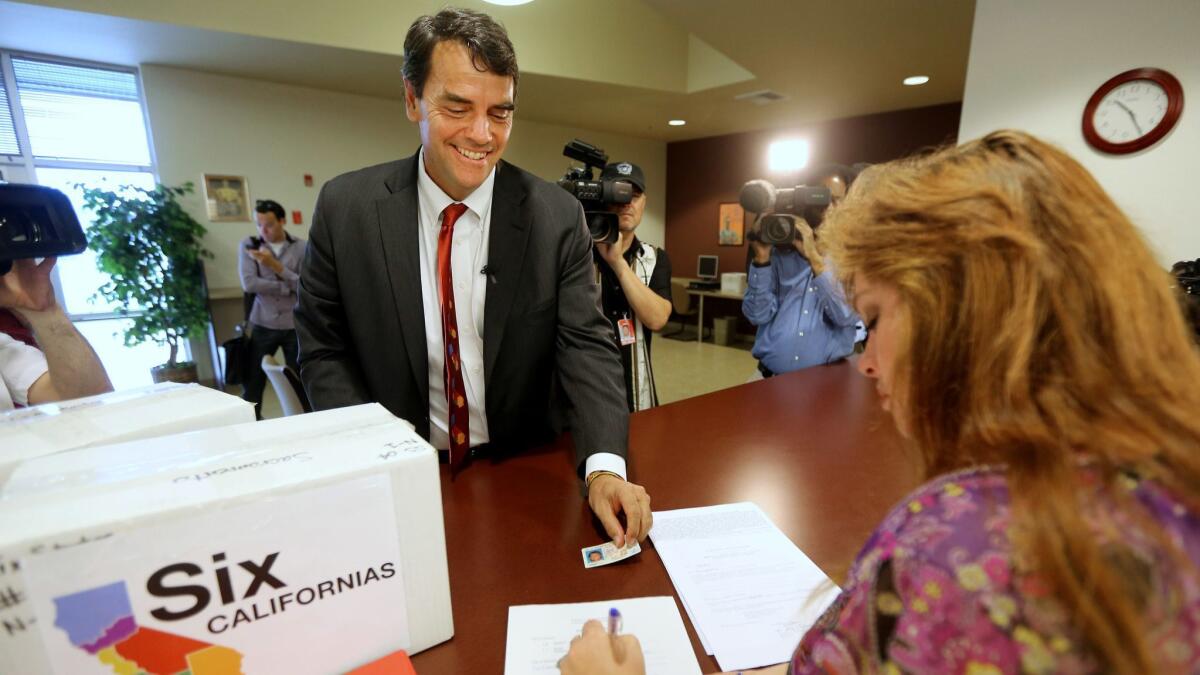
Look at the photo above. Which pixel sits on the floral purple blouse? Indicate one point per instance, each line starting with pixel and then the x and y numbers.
pixel 934 591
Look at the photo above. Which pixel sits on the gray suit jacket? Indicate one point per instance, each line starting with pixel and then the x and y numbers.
pixel 275 294
pixel 361 324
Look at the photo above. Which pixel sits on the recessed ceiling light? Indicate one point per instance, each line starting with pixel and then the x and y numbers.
pixel 787 155
pixel 508 2
pixel 677 123
pixel 915 80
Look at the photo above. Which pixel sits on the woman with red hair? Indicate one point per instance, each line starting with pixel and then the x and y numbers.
pixel 1029 346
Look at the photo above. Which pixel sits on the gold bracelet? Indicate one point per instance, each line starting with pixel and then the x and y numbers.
pixel 596 474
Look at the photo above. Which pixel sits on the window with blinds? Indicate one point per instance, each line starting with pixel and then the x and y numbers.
pixel 8 132
pixel 82 113
pixel 78 125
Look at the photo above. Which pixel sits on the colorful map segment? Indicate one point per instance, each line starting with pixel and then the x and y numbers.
pixel 100 621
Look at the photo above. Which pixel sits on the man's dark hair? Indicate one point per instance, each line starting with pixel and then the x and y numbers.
pixel 491 50
pixel 270 206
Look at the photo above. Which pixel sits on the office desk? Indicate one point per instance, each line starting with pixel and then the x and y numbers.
pixel 702 294
pixel 718 293
pixel 812 448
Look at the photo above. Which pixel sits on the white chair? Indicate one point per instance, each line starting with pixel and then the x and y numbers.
pixel 286 386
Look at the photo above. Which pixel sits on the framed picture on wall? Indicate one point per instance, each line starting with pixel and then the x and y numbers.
pixel 732 226
pixel 227 197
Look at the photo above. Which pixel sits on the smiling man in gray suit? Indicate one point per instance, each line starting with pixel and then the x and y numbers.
pixel 458 290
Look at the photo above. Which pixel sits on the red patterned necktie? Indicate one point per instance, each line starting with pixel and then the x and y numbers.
pixel 458 423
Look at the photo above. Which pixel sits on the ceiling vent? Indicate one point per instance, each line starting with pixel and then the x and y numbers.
pixel 761 97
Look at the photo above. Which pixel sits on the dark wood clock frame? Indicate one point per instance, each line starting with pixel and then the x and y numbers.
pixel 1170 85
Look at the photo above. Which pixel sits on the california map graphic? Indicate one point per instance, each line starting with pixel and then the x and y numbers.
pixel 100 621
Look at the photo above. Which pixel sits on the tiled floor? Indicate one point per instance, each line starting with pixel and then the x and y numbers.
pixel 682 368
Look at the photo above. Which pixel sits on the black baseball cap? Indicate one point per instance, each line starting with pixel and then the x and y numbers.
pixel 627 171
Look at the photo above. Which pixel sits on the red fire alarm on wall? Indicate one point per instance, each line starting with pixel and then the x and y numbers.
pixel 308 180
pixel 297 218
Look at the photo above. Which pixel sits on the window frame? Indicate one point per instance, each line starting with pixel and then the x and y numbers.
pixel 30 163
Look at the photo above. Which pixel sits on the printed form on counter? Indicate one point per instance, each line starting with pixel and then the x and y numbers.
pixel 750 592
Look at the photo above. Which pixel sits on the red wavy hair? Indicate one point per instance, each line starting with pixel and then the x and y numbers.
pixel 1041 332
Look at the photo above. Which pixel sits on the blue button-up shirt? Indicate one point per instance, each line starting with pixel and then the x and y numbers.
pixel 803 320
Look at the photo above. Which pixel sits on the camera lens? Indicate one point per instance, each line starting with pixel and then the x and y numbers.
pixel 777 228
pixel 603 226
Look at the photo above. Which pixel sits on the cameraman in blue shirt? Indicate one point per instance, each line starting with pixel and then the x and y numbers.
pixel 793 298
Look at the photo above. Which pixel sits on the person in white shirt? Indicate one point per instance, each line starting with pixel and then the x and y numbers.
pixel 458 290
pixel 66 366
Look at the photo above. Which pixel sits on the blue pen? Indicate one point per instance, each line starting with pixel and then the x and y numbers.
pixel 614 627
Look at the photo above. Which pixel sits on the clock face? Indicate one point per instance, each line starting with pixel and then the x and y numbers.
pixel 1130 111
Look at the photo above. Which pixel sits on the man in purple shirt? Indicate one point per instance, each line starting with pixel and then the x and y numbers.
pixel 269 266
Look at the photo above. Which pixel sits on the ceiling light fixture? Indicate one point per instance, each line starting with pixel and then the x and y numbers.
pixel 915 80
pixel 508 2
pixel 677 123
pixel 787 155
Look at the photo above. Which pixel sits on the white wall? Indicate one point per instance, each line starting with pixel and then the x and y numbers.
pixel 270 133
pixel 274 134
pixel 1033 66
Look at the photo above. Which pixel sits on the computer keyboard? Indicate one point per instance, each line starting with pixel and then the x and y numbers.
pixel 704 285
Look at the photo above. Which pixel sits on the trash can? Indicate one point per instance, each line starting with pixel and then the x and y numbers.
pixel 724 329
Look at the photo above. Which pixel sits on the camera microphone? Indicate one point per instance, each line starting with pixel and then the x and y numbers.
pixel 757 196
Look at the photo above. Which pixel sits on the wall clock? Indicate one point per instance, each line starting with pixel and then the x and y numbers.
pixel 1132 111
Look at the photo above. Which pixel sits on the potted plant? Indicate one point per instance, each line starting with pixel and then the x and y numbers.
pixel 149 246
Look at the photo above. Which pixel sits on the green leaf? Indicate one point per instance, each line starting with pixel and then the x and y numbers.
pixel 150 248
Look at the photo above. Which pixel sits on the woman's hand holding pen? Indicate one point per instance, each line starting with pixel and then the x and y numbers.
pixel 598 652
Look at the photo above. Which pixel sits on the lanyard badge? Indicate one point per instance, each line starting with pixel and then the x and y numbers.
pixel 625 331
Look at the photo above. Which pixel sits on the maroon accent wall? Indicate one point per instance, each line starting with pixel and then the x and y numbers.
pixel 703 173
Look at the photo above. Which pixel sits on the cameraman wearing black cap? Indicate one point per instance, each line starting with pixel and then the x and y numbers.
pixel 635 289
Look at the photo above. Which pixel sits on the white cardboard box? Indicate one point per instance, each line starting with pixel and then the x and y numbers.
pixel 733 282
pixel 144 412
pixel 314 551
pixel 102 466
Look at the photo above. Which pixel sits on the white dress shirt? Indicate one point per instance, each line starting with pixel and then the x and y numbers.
pixel 20 366
pixel 468 257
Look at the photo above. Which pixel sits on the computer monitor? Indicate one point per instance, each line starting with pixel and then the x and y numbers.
pixel 706 267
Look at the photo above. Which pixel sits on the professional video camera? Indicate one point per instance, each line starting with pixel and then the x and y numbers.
pixel 36 222
pixel 595 195
pixel 1187 277
pixel 779 208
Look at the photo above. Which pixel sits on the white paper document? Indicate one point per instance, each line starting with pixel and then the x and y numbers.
pixel 750 592
pixel 540 635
